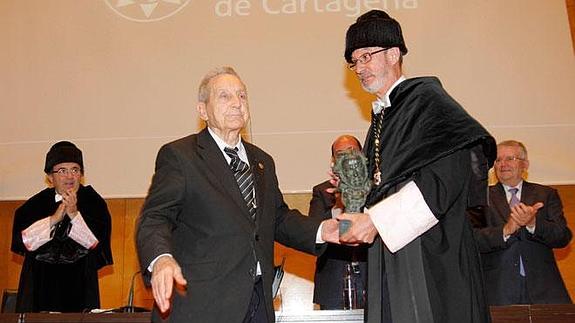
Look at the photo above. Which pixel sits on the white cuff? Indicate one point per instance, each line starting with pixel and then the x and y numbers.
pixel 402 217
pixel 151 266
pixel 81 233
pixel 318 238
pixel 37 234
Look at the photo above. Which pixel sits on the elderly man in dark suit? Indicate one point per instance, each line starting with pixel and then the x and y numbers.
pixel 338 265
pixel 517 233
pixel 212 215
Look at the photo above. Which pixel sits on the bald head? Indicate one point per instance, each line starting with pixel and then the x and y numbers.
pixel 343 143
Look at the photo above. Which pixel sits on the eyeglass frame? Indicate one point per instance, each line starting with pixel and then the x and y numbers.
pixel 75 171
pixel 508 159
pixel 366 58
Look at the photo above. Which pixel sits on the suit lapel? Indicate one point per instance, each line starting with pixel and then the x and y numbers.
pixel 527 194
pixel 499 202
pixel 221 176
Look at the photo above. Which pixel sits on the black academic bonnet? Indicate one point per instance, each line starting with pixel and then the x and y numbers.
pixel 63 152
pixel 374 28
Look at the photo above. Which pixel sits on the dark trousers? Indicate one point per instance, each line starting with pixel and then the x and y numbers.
pixel 257 308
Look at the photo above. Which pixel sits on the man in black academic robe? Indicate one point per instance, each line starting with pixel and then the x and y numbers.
pixel 63 232
pixel 429 161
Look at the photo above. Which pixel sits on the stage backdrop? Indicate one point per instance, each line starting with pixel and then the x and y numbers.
pixel 119 78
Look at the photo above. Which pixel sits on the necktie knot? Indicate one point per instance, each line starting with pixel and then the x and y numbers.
pixel 236 164
pixel 514 199
pixel 232 151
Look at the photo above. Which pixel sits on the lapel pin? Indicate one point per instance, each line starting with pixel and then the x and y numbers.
pixel 261 166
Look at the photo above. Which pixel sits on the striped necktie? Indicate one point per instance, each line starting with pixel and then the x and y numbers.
pixel 244 177
pixel 514 200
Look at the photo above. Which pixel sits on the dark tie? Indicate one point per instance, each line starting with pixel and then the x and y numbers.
pixel 512 202
pixel 244 177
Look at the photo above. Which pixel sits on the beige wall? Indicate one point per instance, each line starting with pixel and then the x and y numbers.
pixel 120 83
pixel 296 289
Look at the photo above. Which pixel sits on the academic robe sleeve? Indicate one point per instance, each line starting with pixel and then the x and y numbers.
pixel 34 209
pixel 97 217
pixel 422 202
pixel 442 182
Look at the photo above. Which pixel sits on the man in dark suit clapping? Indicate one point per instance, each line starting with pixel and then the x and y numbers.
pixel 212 214
pixel 517 233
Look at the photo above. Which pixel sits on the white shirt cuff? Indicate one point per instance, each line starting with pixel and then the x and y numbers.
pixel 151 266
pixel 402 217
pixel 318 238
pixel 37 234
pixel 81 233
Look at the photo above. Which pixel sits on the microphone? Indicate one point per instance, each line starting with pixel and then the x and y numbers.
pixel 130 307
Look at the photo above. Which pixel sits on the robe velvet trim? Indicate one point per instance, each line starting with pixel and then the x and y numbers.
pixel 428 124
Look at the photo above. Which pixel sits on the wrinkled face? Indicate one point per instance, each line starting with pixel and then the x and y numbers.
pixel 375 74
pixel 510 165
pixel 227 107
pixel 65 177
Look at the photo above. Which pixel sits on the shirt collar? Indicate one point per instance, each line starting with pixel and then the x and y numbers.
pixel 519 187
pixel 58 197
pixel 381 103
pixel 222 144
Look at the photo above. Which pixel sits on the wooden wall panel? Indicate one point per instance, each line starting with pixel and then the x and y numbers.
pixel 111 277
pixel 566 256
pixel 142 296
pixel 10 263
pixel 297 286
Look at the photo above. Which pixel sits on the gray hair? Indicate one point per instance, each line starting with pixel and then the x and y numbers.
pixel 204 89
pixel 515 143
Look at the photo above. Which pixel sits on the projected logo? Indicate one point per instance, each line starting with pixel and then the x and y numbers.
pixel 146 10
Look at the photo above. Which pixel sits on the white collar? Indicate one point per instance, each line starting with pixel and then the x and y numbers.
pixel 222 144
pixel 519 187
pixel 382 103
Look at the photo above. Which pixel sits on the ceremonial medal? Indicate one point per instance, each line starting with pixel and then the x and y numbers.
pixel 377 178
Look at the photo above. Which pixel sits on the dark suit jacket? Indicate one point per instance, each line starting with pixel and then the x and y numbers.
pixel 194 210
pixel 330 266
pixel 501 259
